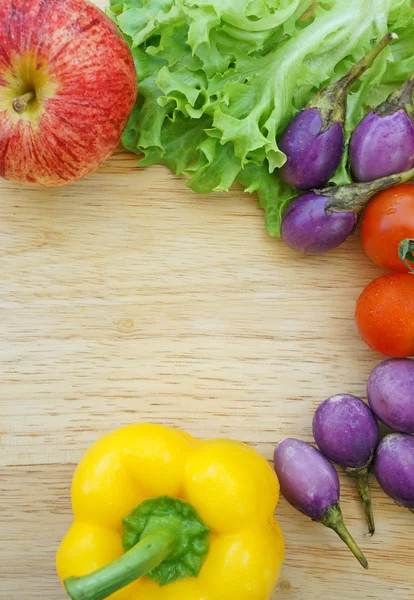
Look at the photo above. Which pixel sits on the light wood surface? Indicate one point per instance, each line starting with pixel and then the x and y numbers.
pixel 128 298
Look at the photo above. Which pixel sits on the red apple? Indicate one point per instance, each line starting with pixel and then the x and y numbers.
pixel 67 87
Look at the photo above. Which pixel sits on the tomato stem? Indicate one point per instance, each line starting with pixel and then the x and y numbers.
pixel 406 253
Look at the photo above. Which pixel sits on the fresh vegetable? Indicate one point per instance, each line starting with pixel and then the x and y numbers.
pixel 346 432
pixel 220 82
pixel 319 221
pixel 390 392
pixel 309 482
pixel 307 228
pixel 385 315
pixel 145 499
pixel 406 253
pixel 314 140
pixel 394 468
pixel 67 88
pixel 387 221
pixel 383 143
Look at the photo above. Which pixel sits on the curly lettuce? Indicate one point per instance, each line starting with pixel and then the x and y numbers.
pixel 221 79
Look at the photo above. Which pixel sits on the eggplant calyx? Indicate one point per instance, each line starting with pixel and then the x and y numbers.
pixel 361 477
pixel 400 99
pixel 406 253
pixel 331 107
pixel 355 196
pixel 331 101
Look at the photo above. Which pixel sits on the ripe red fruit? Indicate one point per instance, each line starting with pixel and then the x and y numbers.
pixel 67 87
pixel 385 315
pixel 387 221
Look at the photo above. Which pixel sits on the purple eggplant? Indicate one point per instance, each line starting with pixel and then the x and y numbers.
pixel 307 228
pixel 313 149
pixel 347 433
pixel 383 142
pixel 390 392
pixel 394 468
pixel 319 221
pixel 314 140
pixel 310 483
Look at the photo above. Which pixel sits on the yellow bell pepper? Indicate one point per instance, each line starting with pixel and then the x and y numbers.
pixel 153 506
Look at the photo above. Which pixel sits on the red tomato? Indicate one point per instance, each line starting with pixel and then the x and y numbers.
pixel 387 221
pixel 385 315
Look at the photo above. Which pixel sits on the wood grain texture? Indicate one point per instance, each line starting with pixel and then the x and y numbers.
pixel 127 298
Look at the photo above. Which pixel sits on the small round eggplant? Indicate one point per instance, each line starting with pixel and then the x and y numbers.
pixel 319 221
pixel 314 140
pixel 390 392
pixel 394 468
pixel 313 154
pixel 383 142
pixel 307 228
pixel 346 432
pixel 310 483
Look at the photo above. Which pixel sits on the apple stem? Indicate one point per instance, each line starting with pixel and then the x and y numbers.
pixel 20 104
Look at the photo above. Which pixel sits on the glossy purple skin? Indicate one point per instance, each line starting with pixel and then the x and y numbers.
pixel 390 392
pixel 382 146
pixel 307 479
pixel 312 157
pixel 346 430
pixel 394 467
pixel 307 228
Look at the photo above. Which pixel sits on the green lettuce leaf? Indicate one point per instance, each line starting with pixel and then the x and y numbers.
pixel 221 79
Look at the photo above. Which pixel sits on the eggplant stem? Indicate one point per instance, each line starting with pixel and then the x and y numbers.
pixel 361 66
pixel 331 100
pixel 361 478
pixel 355 196
pixel 332 518
pixel 406 253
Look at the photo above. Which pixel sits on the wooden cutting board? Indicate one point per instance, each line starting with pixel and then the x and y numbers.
pixel 128 298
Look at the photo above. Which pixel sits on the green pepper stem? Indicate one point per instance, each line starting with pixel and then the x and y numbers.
pixel 150 552
pixel 332 518
pixel 406 253
pixel 361 478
